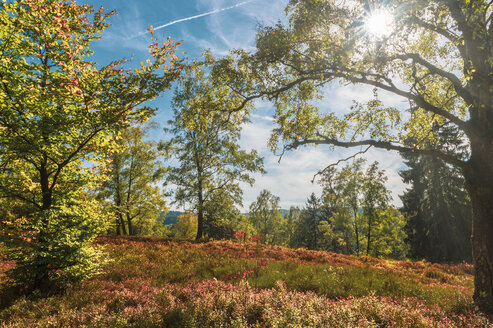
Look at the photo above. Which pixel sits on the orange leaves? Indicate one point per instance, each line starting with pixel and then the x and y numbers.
pixel 150 29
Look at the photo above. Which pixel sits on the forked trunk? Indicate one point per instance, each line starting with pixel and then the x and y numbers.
pixel 131 231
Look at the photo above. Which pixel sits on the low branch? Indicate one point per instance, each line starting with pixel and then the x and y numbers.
pixel 72 155
pixel 379 144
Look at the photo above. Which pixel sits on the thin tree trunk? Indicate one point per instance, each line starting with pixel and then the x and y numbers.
pixel 200 216
pixel 368 242
pixel 200 224
pixel 41 274
pixel 122 223
pixel 356 229
pixel 117 231
pixel 118 198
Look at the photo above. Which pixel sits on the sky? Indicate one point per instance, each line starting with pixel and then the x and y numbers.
pixel 218 26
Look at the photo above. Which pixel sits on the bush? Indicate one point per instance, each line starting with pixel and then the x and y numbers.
pixel 52 248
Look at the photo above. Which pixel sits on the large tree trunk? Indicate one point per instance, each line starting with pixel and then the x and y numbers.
pixel 131 231
pixel 479 182
pixel 200 224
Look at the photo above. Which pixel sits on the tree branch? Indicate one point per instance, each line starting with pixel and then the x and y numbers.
pixel 71 156
pixel 379 144
pixel 419 100
pixel 339 161
pixel 459 88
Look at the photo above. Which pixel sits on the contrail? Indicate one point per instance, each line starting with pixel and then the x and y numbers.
pixel 200 15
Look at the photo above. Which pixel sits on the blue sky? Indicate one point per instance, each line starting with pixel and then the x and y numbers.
pixel 219 25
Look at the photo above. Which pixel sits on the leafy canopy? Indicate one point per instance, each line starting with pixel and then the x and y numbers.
pixel 205 142
pixel 60 113
pixel 429 59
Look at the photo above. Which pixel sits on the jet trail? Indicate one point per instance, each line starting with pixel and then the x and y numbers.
pixel 201 15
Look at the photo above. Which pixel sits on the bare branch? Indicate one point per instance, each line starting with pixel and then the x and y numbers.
pixel 340 161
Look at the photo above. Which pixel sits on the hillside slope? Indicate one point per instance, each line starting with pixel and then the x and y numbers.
pixel 162 283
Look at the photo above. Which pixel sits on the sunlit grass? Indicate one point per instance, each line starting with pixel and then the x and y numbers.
pixel 159 283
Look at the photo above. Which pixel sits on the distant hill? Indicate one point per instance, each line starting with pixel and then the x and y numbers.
pixel 283 212
pixel 172 217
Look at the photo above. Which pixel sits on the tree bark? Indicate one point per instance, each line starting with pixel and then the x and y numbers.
pixel 355 211
pixel 200 224
pixel 200 215
pixel 131 231
pixel 479 182
pixel 370 217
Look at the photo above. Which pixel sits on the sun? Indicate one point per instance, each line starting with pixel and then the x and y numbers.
pixel 379 23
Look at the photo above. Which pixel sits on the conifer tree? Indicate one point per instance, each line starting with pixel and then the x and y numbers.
pixel 436 206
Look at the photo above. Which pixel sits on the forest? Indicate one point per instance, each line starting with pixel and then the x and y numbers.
pixel 103 224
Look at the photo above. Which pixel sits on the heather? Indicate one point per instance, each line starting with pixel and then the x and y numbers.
pixel 150 282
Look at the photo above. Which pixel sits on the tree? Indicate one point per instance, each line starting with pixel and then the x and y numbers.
pixel 135 198
pixel 375 198
pixel 205 143
pixel 221 216
pixel 361 219
pixel 186 226
pixel 388 234
pixel 306 233
pixel 341 195
pixel 292 218
pixel 265 215
pixel 59 116
pixel 436 206
pixel 435 55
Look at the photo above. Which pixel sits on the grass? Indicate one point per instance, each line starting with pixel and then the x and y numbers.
pixel 162 283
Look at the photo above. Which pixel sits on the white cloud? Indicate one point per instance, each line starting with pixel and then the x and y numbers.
pixel 228 32
pixel 290 179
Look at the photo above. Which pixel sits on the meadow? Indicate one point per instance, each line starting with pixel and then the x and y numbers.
pixel 149 282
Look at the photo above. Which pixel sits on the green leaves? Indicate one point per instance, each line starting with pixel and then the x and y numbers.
pixel 205 141
pixel 131 193
pixel 60 115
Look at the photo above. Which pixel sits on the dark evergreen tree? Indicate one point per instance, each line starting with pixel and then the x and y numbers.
pixel 306 233
pixel 221 216
pixel 436 206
